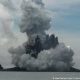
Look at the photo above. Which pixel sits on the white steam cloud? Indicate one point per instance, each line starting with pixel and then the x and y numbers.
pixel 59 59
pixel 5 23
pixel 8 34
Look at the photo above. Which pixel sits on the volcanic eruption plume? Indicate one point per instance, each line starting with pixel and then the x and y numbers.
pixel 42 52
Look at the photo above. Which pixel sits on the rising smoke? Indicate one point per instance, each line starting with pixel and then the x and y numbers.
pixel 41 52
pixel 35 20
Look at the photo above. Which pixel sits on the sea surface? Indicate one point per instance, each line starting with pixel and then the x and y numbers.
pixel 38 75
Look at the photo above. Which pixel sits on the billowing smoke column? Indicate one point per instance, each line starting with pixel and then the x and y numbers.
pixel 35 19
pixel 42 52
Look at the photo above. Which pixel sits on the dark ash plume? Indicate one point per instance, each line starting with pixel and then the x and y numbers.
pixel 42 52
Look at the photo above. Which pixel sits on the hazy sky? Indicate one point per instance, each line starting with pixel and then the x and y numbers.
pixel 65 25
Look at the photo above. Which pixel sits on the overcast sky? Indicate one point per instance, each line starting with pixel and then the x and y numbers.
pixel 65 25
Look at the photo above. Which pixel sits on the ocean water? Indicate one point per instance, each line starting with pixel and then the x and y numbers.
pixel 37 75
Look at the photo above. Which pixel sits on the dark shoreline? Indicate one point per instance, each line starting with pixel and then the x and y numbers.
pixel 17 69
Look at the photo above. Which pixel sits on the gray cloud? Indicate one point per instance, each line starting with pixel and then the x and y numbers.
pixel 35 20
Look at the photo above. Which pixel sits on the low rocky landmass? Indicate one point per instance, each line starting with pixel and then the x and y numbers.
pixel 17 69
